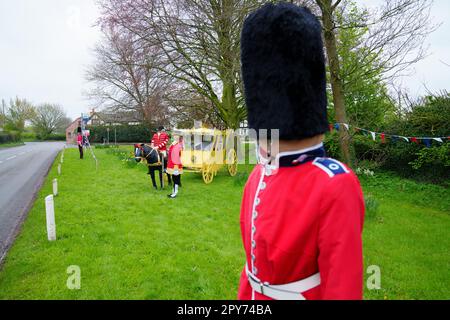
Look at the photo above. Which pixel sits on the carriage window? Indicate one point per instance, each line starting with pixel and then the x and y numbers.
pixel 219 143
pixel 206 143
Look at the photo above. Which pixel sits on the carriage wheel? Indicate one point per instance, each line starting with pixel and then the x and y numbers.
pixel 232 162
pixel 208 174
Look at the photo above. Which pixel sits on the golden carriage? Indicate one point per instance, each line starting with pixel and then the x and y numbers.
pixel 207 150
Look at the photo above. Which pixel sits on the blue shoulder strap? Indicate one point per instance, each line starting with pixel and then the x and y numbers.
pixel 330 166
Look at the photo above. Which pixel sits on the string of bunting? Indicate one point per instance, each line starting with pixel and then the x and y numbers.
pixel 427 141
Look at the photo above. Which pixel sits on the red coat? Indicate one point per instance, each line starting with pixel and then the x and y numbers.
pixel 308 219
pixel 174 158
pixel 160 141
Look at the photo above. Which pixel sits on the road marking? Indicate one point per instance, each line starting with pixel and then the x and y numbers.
pixel 10 158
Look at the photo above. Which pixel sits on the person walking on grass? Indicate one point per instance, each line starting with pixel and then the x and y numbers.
pixel 174 165
pixel 302 213
pixel 80 144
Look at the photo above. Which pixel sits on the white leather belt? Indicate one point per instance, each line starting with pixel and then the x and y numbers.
pixel 290 291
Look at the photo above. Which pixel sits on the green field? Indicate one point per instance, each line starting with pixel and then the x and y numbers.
pixel 132 242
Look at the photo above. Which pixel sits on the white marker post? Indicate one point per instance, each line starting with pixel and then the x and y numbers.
pixel 59 169
pixel 50 214
pixel 55 187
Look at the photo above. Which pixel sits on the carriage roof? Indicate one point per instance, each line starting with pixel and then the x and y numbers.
pixel 199 131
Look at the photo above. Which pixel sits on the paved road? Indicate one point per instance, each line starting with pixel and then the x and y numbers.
pixel 22 171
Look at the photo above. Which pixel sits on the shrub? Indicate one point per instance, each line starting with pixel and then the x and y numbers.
pixel 106 146
pixel 408 160
pixel 29 136
pixel 332 145
pixel 9 137
pixel 433 156
pixel 56 137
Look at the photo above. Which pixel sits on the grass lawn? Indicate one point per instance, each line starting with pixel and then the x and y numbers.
pixel 132 242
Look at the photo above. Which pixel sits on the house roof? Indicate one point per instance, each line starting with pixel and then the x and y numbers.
pixel 76 121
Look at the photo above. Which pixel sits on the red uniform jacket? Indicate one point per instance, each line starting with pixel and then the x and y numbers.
pixel 160 141
pixel 175 156
pixel 308 218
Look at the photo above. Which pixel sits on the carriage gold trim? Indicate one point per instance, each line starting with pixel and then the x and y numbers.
pixel 205 151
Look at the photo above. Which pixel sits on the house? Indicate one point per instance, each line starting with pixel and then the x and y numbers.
pixel 110 118
pixel 71 131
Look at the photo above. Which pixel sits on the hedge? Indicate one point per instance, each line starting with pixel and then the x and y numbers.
pixel 9 137
pixel 124 134
pixel 55 137
pixel 405 159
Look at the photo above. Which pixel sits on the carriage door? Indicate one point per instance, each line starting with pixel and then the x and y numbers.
pixel 218 148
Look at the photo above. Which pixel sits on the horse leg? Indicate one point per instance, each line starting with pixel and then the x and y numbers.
pixel 152 174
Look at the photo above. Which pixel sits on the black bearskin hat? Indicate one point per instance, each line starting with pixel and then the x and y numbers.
pixel 283 69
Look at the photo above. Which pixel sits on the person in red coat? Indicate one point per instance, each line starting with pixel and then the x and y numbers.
pixel 80 143
pixel 174 166
pixel 302 213
pixel 160 140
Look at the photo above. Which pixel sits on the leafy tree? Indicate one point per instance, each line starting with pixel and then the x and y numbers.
pixel 47 119
pixel 366 96
pixel 430 116
pixel 18 112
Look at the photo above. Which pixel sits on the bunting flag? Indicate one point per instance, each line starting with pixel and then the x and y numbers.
pixel 374 136
pixel 427 141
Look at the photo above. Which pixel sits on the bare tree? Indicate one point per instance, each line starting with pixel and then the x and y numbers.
pixel 127 77
pixel 200 41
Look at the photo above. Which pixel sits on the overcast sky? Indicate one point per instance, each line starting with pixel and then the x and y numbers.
pixel 46 46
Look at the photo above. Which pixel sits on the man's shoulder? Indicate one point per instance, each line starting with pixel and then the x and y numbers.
pixel 331 167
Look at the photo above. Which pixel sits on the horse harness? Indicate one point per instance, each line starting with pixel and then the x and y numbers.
pixel 156 164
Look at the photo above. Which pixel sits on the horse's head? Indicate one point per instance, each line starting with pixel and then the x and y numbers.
pixel 138 152
pixel 144 151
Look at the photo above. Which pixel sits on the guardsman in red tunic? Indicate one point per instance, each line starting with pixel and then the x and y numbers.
pixel 160 140
pixel 302 213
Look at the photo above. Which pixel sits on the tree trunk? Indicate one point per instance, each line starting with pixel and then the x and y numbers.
pixel 326 7
pixel 230 104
